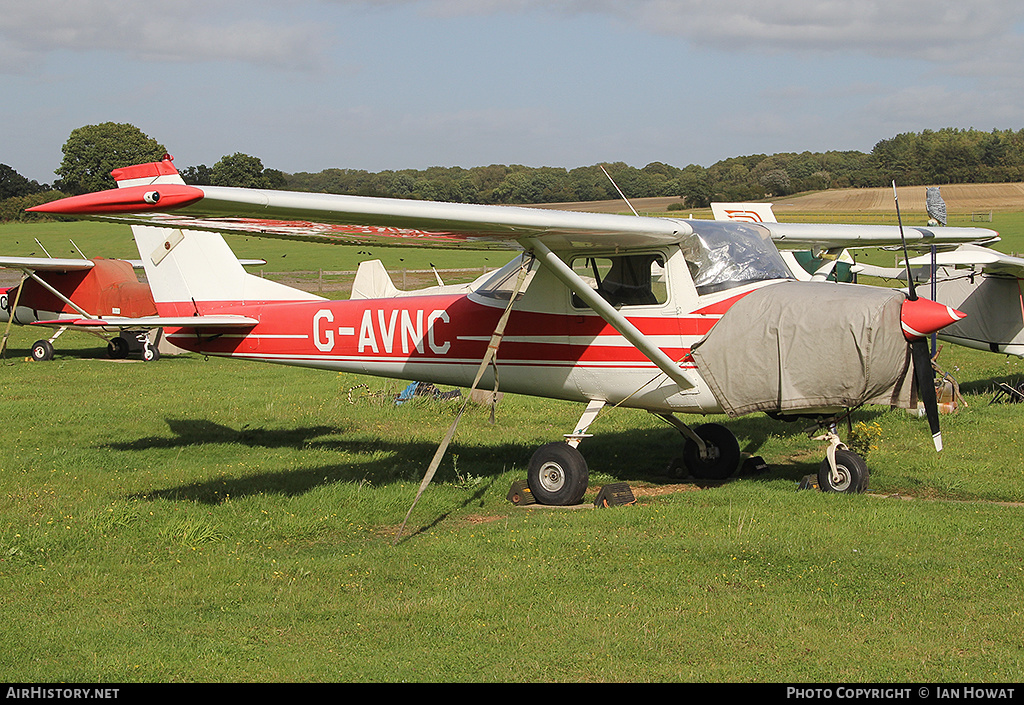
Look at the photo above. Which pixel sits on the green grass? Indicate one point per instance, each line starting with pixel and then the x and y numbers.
pixel 212 520
pixel 115 241
pixel 220 521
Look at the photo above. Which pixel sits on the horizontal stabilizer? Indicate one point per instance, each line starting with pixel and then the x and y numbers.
pixel 148 322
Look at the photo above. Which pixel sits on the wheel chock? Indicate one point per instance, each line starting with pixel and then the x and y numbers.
pixel 614 495
pixel 520 494
pixel 753 465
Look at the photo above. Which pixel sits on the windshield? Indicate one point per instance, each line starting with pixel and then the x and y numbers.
pixel 726 255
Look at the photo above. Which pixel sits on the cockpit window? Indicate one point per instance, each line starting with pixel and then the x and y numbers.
pixel 503 282
pixel 624 280
pixel 726 255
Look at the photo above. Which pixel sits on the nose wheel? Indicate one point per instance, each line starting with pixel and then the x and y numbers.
pixel 849 475
pixel 42 350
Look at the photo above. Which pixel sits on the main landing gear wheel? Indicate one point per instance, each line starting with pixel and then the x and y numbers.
pixel 42 350
pixel 557 474
pixel 117 348
pixel 723 453
pixel 851 473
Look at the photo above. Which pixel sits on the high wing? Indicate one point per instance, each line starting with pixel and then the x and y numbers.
pixel 976 257
pixel 830 236
pixel 46 264
pixel 383 221
pixel 57 264
pixel 836 237
pixel 983 258
pixel 362 220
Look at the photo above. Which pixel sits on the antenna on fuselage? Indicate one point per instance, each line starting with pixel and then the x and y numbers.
pixel 620 191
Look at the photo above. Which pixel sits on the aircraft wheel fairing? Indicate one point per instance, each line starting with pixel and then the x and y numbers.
pixel 117 348
pixel 557 474
pixel 723 453
pixel 42 350
pixel 852 473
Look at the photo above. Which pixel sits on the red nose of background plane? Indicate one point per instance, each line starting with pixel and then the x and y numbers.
pixel 922 317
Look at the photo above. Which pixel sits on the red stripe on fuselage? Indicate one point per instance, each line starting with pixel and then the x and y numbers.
pixel 426 328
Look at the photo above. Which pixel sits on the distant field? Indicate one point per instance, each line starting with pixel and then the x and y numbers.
pixel 959 198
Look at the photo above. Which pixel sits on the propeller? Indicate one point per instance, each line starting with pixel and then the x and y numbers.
pixel 920 318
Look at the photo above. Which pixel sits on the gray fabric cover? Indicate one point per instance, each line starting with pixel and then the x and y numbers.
pixel 992 304
pixel 803 346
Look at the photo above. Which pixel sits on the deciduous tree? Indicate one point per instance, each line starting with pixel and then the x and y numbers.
pixel 93 151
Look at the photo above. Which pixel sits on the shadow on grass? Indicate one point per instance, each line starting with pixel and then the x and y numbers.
pixel 197 432
pixel 640 455
pixel 989 387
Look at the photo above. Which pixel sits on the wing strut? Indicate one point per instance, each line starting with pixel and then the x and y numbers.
pixel 615 319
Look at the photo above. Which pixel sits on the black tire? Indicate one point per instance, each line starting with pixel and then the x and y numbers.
pixel 853 473
pixel 724 455
pixel 42 350
pixel 557 475
pixel 150 353
pixel 117 348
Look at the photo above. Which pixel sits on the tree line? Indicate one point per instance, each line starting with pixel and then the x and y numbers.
pixel 930 157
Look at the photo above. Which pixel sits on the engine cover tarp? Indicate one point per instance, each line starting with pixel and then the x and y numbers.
pixel 805 346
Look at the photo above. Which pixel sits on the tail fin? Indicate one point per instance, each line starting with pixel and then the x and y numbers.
pixel 373 281
pixel 192 271
pixel 746 212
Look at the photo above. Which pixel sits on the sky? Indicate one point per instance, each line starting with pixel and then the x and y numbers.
pixel 307 85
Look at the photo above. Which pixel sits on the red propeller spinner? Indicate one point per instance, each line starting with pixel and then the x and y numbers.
pixel 922 317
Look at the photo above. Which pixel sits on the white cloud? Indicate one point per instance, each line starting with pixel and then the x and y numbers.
pixel 179 31
pixel 944 31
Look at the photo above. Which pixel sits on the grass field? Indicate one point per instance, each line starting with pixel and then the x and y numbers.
pixel 221 521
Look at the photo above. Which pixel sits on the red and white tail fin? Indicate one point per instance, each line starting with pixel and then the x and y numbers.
pixel 744 212
pixel 162 172
pixel 190 271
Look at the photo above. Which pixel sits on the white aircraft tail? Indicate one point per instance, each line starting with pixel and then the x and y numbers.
pixel 744 212
pixel 191 266
pixel 373 281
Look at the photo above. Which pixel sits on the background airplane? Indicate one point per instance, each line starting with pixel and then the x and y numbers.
pixel 54 292
pixel 671 316
pixel 983 283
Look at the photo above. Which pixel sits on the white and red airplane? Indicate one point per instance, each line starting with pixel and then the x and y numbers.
pixel 55 292
pixel 662 314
